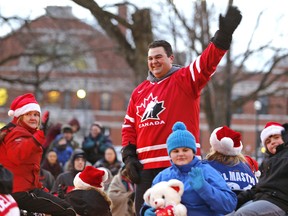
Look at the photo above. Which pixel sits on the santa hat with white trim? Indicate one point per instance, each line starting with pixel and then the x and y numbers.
pixel 271 128
pixel 91 177
pixel 226 141
pixel 23 104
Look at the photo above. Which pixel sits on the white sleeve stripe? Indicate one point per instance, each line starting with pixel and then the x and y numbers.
pixel 157 147
pixel 126 126
pixel 157 159
pixel 192 71
pixel 151 148
pixel 197 62
pixel 129 118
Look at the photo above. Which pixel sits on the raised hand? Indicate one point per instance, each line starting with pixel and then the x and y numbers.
pixel 230 21
pixel 44 121
pixel 197 179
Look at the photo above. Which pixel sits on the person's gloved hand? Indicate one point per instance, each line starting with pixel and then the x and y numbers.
pixel 132 165
pixel 230 21
pixel 61 191
pixel 44 121
pixel 133 168
pixel 197 179
pixel 150 212
pixel 227 25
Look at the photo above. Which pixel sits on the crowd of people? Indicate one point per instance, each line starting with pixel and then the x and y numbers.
pixel 49 169
pixel 43 174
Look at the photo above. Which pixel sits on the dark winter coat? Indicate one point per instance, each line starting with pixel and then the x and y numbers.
pixel 64 181
pixel 47 179
pixel 272 185
pixel 95 147
pixel 54 169
pixel 91 202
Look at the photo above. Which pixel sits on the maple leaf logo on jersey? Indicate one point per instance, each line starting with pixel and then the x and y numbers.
pixel 150 108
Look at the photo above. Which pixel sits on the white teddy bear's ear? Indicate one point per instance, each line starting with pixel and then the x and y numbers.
pixel 176 185
pixel 146 196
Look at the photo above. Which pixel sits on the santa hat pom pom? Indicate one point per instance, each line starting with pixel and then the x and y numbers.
pixel 11 113
pixel 257 173
pixel 227 141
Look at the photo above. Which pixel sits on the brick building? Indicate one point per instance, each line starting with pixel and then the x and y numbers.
pixel 59 55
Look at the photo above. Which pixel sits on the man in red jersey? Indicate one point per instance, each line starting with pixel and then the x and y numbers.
pixel 170 93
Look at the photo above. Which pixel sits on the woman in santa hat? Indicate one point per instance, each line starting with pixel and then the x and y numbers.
pixel 270 194
pixel 21 149
pixel 226 157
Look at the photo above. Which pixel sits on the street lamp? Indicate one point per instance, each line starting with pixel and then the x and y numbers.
pixel 257 107
pixel 82 94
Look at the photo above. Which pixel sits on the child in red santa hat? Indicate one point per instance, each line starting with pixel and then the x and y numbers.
pixel 88 197
pixel 270 194
pixel 21 151
pixel 226 156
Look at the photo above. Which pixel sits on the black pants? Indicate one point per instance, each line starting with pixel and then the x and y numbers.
pixel 40 201
pixel 147 177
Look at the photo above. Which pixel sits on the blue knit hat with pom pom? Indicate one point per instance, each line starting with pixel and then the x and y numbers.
pixel 180 138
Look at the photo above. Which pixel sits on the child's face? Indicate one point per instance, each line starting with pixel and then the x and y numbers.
pixel 181 156
pixel 272 142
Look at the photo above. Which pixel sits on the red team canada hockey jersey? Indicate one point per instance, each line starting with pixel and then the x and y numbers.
pixel 155 106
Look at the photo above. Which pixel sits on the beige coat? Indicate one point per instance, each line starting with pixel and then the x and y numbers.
pixel 122 203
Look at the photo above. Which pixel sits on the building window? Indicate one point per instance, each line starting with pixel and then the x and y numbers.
pixel 264 105
pixel 67 100
pixel 3 96
pixel 53 96
pixel 239 109
pixel 105 103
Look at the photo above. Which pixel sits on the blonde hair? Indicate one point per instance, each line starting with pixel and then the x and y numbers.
pixel 225 159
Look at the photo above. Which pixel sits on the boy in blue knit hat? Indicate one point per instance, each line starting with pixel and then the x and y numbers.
pixel 205 191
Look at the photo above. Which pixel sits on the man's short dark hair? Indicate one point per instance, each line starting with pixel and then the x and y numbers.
pixel 162 43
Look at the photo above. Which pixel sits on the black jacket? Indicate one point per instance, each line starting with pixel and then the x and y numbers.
pixel 272 185
pixel 89 202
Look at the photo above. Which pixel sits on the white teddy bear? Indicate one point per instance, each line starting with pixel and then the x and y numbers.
pixel 165 197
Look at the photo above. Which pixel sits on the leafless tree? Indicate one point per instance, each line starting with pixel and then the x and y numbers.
pixel 217 101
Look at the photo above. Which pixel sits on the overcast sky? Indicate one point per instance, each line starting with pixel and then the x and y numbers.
pixel 274 20
pixel 273 25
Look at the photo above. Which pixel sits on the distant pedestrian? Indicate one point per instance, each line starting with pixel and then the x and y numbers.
pixel 95 144
pixel 110 161
pixel 52 164
pixel 64 182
